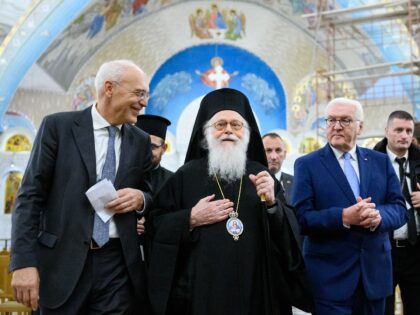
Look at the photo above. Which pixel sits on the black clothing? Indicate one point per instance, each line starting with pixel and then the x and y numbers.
pixel 204 271
pixel 214 102
pixel 286 181
pixel 153 125
pixel 52 220
pixel 104 282
pixel 406 256
pixel 159 177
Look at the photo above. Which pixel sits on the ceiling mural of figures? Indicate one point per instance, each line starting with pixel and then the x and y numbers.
pixel 214 23
pixel 282 34
pixel 188 66
pixel 94 26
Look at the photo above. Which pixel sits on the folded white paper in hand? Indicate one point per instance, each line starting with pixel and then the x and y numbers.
pixel 99 195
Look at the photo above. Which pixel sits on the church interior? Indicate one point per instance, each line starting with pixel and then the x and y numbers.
pixel 290 57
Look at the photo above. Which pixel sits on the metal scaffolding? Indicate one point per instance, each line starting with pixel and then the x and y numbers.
pixel 382 40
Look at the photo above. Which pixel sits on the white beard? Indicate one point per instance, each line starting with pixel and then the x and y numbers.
pixel 228 162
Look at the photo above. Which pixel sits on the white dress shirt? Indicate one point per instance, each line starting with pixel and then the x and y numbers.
pixel 101 135
pixel 353 159
pixel 401 233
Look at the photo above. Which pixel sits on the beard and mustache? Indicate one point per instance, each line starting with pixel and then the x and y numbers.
pixel 228 162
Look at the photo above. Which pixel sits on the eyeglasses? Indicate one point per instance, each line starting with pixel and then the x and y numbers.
pixel 222 125
pixel 140 94
pixel 343 122
pixel 155 146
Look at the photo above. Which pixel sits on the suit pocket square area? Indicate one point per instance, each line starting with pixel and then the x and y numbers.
pixel 47 239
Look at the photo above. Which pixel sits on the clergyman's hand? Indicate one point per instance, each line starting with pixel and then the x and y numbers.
pixel 209 211
pixel 25 284
pixel 264 184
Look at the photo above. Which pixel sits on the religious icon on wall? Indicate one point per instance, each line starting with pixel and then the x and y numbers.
pixel 217 23
pixel 216 77
pixel 13 181
pixel 17 143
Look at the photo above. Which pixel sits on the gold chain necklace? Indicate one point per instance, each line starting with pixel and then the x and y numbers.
pixel 234 225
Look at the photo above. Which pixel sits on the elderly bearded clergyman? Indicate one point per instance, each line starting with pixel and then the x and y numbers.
pixel 199 263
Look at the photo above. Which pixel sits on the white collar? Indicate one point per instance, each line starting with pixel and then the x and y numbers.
pixel 100 122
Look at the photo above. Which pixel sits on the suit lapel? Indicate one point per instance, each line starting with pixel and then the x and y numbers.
pixel 330 162
pixel 84 138
pixel 364 171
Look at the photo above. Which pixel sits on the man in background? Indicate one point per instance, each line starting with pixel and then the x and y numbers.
pixel 156 127
pixel 276 150
pixel 405 158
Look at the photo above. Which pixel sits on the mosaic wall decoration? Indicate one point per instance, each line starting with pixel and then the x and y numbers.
pixel 85 93
pixel 198 70
pixel 17 143
pixel 81 39
pixel 13 181
pixel 310 97
pixel 218 23
pixel 180 83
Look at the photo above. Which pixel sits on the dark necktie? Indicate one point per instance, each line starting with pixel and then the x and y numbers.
pixel 100 228
pixel 411 223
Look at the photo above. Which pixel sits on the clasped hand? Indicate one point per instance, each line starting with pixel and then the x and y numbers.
pixel 363 213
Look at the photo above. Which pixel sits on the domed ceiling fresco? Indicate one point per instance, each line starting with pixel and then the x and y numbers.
pixel 282 54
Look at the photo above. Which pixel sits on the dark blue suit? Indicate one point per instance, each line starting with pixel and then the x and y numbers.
pixel 339 259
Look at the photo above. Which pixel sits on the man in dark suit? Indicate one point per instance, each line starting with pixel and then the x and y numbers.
pixel 276 150
pixel 348 200
pixel 61 252
pixel 398 145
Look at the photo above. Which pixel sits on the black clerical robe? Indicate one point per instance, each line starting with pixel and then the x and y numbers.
pixel 205 271
pixel 159 177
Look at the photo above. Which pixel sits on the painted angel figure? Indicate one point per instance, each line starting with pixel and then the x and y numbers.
pixel 198 24
pixel 236 25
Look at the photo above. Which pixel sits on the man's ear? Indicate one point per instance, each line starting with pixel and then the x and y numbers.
pixel 360 128
pixel 108 88
pixel 164 146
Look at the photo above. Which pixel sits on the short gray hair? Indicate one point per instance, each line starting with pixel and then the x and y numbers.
pixel 347 102
pixel 112 71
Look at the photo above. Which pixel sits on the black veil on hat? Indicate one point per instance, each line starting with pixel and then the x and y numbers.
pixel 153 125
pixel 216 101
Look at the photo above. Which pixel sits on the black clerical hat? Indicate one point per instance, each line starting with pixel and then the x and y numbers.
pixel 216 101
pixel 153 125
